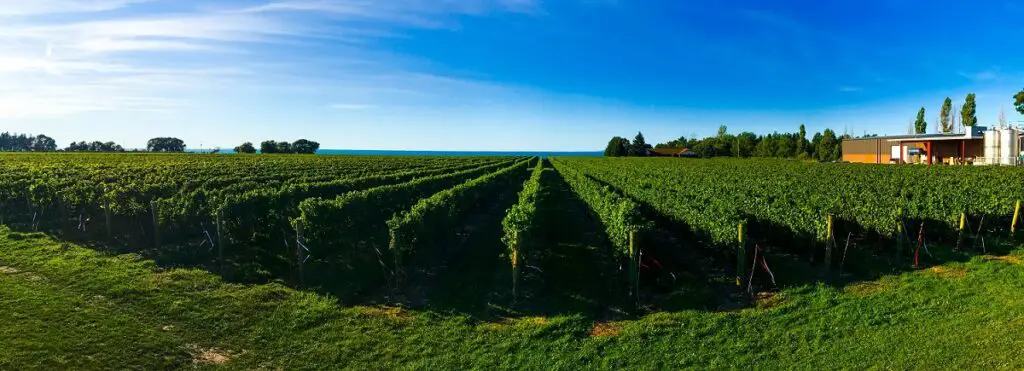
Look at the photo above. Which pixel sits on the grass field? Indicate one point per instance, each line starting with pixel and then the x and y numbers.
pixel 64 306
pixel 412 264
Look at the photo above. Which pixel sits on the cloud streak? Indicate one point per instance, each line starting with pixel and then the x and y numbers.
pixel 119 55
pixel 46 7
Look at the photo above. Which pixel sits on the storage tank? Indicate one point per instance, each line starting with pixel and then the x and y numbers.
pixel 1009 146
pixel 992 147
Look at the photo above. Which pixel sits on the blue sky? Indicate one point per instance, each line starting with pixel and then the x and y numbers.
pixel 494 74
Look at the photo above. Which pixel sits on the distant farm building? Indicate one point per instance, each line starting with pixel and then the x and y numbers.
pixel 979 146
pixel 673 152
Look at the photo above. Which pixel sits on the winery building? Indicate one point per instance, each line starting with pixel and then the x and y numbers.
pixel 978 146
pixel 672 152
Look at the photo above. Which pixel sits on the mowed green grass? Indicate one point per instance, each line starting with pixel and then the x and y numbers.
pixel 67 307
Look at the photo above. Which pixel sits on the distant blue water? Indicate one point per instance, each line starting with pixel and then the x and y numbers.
pixel 361 152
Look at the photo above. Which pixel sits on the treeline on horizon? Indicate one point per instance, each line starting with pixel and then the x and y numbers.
pixel 301 146
pixel 14 142
pixel 824 146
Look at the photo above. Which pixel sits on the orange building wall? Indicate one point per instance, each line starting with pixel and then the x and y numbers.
pixel 866 150
pixel 872 151
pixel 867 158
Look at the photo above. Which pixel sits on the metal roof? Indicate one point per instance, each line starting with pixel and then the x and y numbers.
pixel 935 138
pixel 976 133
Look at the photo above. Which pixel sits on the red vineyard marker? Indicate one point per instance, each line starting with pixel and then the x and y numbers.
pixel 759 261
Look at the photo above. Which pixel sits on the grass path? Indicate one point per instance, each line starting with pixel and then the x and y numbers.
pixel 48 326
pixel 592 286
pixel 67 307
pixel 473 277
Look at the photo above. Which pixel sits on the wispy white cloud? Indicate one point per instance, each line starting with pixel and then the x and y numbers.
pixel 114 56
pixel 398 13
pixel 44 7
pixel 982 76
pixel 350 106
pixel 850 89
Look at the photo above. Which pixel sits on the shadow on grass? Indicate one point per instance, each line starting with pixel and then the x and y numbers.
pixel 570 270
pixel 575 272
pixel 466 271
pixel 694 273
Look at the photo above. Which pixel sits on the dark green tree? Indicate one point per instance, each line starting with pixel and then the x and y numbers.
pixel 829 149
pixel 801 141
pixel 704 149
pixel 766 147
pixel 944 116
pixel 785 146
pixel 165 144
pixel 268 147
pixel 723 145
pixel 42 143
pixel 23 143
pixel 303 146
pixel 920 125
pixel 969 114
pixel 246 148
pixel 746 142
pixel 639 146
pixel 675 143
pixel 284 147
pixel 1018 101
pixel 94 146
pixel 617 147
pixel 815 145
pixel 76 147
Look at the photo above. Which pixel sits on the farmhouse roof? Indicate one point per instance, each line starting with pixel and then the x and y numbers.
pixel 671 151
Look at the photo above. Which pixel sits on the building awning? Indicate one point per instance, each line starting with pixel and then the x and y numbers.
pixel 934 138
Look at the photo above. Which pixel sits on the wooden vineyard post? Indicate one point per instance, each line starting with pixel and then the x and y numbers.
pixel 397 257
pixel 63 214
pixel 917 251
pixel 845 250
pixel 634 266
pixel 980 237
pixel 741 253
pixel 31 208
pixel 1016 216
pixel 109 219
pixel 828 242
pixel 899 234
pixel 516 268
pixel 156 224
pixel 220 239
pixel 300 252
pixel 960 235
